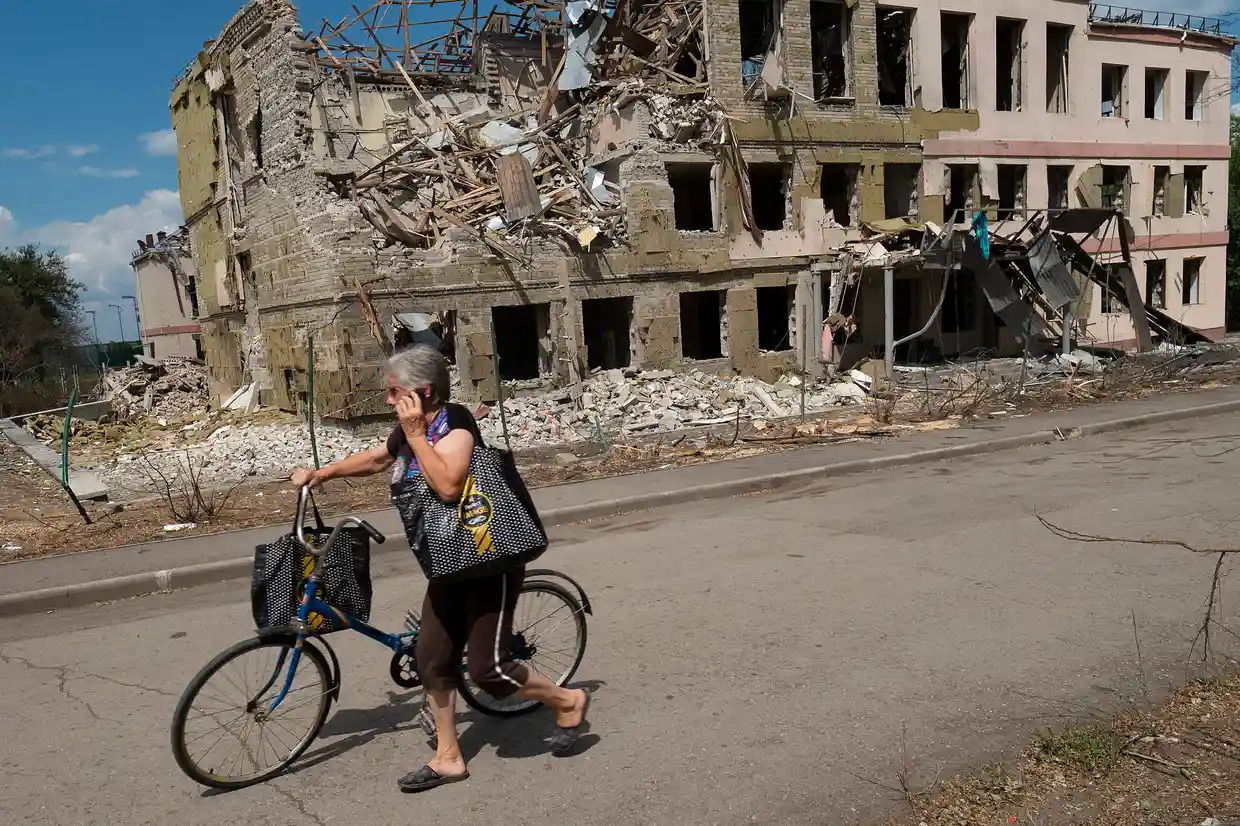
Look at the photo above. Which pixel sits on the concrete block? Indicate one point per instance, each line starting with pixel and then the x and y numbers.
pixel 84 484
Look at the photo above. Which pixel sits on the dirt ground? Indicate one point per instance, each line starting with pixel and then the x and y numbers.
pixel 1177 764
pixel 37 518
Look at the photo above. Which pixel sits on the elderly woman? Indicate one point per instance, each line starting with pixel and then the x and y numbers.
pixel 435 437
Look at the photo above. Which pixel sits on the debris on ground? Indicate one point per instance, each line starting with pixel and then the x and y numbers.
pixel 618 403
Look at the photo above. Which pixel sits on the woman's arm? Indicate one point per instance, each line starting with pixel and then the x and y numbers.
pixel 445 465
pixel 375 460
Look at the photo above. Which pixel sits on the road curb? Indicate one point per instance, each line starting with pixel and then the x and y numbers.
pixel 150 582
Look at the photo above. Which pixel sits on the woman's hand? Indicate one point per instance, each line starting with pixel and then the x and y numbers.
pixel 409 412
pixel 306 476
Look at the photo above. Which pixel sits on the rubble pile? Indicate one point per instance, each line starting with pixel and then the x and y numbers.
pixel 165 389
pixel 627 402
pixel 235 452
pixel 456 165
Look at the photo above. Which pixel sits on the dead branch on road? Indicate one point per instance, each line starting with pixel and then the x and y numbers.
pixel 1212 601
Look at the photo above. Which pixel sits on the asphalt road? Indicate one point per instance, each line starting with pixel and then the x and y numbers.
pixel 756 660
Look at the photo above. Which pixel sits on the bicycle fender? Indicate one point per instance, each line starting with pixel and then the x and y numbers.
pixel 290 633
pixel 547 572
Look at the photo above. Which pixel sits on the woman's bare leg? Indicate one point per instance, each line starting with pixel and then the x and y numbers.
pixel 568 704
pixel 447 760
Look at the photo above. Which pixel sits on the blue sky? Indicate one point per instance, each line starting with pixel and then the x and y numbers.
pixel 86 154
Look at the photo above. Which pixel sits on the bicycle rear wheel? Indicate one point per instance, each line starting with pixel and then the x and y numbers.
pixel 225 733
pixel 548 636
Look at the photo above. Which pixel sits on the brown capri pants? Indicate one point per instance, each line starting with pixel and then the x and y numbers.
pixel 474 615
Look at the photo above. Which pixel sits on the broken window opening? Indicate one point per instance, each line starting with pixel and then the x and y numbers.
pixel 776 306
pixel 702 324
pixel 255 134
pixel 692 61
pixel 960 303
pixel 831 42
pixel 760 25
pixel 1191 284
pixel 606 323
pixel 768 187
pixel 962 199
pixel 199 352
pixel 1009 64
pixel 1194 190
pixel 895 39
pixel 247 284
pixel 955 31
pixel 1194 95
pixel 1011 191
pixel 191 292
pixel 1161 176
pixel 523 341
pixel 1058 39
pixel 900 189
pixel 1113 79
pixel 1115 181
pixel 1156 93
pixel 1057 186
pixel 691 196
pixel 1156 284
pixel 839 192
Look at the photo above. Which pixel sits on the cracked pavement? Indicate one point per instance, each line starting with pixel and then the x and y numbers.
pixel 756 659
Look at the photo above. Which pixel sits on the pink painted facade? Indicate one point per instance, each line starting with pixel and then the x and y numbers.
pixel 1131 61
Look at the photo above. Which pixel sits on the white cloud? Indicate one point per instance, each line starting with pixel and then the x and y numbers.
pixel 98 172
pixel 22 153
pixel 161 143
pixel 84 149
pixel 98 251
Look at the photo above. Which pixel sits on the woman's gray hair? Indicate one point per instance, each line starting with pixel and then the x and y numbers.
pixel 421 366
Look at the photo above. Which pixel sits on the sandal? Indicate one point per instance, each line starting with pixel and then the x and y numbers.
pixel 565 737
pixel 426 778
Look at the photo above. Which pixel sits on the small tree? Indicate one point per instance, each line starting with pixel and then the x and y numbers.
pixel 40 306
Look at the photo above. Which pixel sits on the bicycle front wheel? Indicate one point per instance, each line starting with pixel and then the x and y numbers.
pixel 225 731
pixel 548 636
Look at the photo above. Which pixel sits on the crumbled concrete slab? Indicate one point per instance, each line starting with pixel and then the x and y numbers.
pixel 84 484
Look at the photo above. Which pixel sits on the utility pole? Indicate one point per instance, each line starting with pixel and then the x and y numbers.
pixel 120 322
pixel 94 323
pixel 137 318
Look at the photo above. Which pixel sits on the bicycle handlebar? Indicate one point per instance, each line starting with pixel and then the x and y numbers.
pixel 304 497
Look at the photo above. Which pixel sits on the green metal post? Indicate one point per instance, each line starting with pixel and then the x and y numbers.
pixel 64 458
pixel 64 441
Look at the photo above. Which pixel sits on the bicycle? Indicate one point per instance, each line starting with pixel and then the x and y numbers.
pixel 269 701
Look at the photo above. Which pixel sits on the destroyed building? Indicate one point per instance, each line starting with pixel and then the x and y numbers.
pixel 167 295
pixel 552 188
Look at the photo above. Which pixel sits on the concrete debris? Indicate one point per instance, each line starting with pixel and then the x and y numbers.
pixel 437 184
pixel 1078 361
pixel 244 399
pixel 632 402
pixel 165 389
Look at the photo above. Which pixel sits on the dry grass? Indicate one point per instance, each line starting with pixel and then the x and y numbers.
pixel 1178 763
